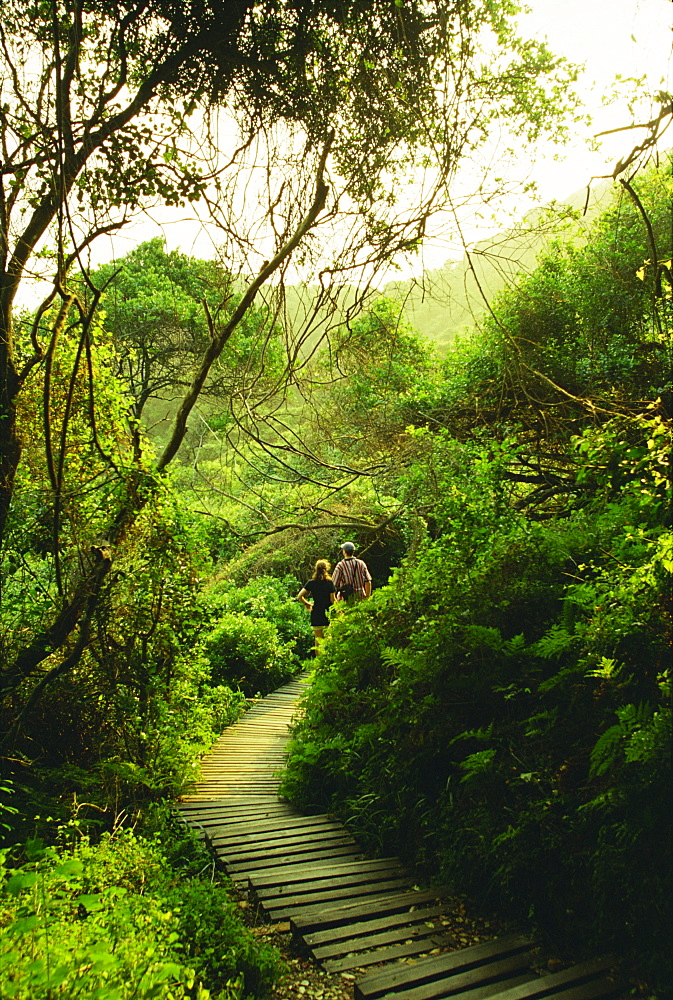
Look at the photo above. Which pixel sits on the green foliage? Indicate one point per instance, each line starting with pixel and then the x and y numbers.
pixel 271 599
pixel 140 708
pixel 500 712
pixel 154 307
pixel 247 653
pixel 591 321
pixel 365 379
pixel 221 952
pixel 114 920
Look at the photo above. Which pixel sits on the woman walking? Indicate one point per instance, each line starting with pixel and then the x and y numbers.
pixel 321 589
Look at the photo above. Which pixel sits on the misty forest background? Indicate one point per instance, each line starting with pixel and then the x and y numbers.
pixel 183 438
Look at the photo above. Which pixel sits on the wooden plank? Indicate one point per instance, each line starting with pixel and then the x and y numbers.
pixel 362 959
pixel 324 879
pixel 378 939
pixel 358 929
pixel 315 918
pixel 285 875
pixel 272 862
pixel 220 816
pixel 233 800
pixel 281 848
pixel 305 832
pixel 188 800
pixel 592 990
pixel 484 979
pixel 278 905
pixel 233 819
pixel 414 984
pixel 271 825
pixel 491 989
pixel 307 880
pixel 238 845
pixel 378 983
pixel 559 982
pixel 231 804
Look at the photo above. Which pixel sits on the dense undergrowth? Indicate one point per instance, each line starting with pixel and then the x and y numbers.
pixel 102 894
pixel 131 914
pixel 500 712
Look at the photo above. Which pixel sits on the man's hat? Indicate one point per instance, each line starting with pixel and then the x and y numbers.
pixel 348 548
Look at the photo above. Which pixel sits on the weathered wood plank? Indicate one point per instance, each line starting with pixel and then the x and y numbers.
pixel 433 984
pixel 326 879
pixel 491 989
pixel 250 867
pixel 562 982
pixel 252 853
pixel 388 980
pixel 324 869
pixel 592 990
pixel 349 932
pixel 317 917
pixel 298 854
pixel 361 959
pixel 263 827
pixel 234 811
pixel 277 905
pixel 378 939
pixel 246 844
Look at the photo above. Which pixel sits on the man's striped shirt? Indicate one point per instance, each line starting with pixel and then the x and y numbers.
pixel 352 571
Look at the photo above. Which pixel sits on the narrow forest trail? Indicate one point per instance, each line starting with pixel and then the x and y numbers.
pixel 350 912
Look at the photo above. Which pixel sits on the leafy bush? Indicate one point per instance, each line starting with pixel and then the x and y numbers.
pixel 271 599
pixel 111 921
pixel 500 713
pixel 248 653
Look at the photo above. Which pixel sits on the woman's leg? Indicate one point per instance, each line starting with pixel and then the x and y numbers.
pixel 318 631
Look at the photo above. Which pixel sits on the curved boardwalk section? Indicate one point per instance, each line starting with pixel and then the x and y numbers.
pixel 348 911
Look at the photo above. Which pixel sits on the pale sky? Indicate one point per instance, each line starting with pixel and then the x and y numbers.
pixel 610 38
pixel 628 37
pixel 632 38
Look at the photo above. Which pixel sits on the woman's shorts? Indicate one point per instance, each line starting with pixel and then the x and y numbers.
pixel 319 617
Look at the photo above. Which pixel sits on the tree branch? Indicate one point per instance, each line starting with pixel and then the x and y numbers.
pixel 218 342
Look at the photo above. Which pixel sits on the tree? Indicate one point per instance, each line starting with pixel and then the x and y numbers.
pixel 154 308
pixel 108 108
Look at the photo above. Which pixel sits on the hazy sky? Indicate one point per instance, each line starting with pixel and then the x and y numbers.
pixel 628 37
pixel 632 38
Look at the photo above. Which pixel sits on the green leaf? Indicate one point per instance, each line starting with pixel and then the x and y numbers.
pixel 21 881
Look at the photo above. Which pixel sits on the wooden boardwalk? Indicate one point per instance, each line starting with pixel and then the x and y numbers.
pixel 350 912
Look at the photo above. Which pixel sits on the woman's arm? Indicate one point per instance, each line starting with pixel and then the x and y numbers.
pixel 301 596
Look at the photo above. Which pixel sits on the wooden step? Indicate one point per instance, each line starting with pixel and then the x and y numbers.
pixel 314 918
pixel 462 969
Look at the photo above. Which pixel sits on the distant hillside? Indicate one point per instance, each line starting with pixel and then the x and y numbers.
pixel 447 301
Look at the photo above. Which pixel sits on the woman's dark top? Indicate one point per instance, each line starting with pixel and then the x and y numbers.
pixel 320 591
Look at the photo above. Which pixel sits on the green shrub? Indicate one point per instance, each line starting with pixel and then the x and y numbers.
pixel 116 920
pixel 247 653
pixel 271 599
pixel 500 713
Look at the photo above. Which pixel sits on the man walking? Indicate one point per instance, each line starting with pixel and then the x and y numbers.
pixel 351 578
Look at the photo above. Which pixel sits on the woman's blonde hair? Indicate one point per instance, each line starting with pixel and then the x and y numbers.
pixel 322 568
